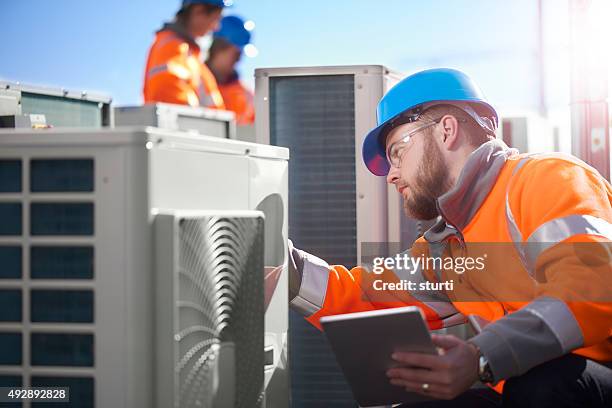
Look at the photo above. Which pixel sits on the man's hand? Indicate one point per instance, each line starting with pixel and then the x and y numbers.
pixel 446 375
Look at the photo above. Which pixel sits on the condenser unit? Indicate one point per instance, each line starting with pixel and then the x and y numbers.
pixel 209 122
pixel 323 115
pixel 24 105
pixel 529 133
pixel 210 309
pixel 99 230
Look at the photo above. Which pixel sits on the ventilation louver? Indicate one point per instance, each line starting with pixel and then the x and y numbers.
pixel 219 312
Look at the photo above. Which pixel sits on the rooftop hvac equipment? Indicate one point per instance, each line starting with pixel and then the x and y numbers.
pixel 210 122
pixel 323 114
pixel 529 133
pixel 100 233
pixel 30 106
pixel 210 306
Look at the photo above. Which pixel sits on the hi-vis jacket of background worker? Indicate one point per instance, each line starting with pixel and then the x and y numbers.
pixel 544 295
pixel 229 43
pixel 175 72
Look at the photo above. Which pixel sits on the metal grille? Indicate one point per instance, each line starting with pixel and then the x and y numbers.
pixel 314 116
pixel 220 307
pixel 42 325
pixel 61 112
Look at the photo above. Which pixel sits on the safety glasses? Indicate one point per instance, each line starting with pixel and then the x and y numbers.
pixel 395 150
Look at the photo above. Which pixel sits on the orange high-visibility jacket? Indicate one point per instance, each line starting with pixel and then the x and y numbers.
pixel 545 223
pixel 239 100
pixel 175 72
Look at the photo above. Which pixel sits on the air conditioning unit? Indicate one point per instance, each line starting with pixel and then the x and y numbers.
pixel 209 122
pixel 529 133
pixel 210 309
pixel 323 115
pixel 82 215
pixel 24 105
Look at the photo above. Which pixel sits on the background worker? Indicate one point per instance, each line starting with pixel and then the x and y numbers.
pixel 546 289
pixel 175 72
pixel 224 54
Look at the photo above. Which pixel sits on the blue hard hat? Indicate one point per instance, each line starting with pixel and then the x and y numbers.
pixel 218 3
pixel 417 92
pixel 232 29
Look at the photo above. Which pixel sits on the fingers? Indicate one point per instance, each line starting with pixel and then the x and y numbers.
pixel 446 341
pixel 433 390
pixel 423 360
pixel 418 375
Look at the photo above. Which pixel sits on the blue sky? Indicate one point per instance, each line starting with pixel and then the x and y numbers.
pixel 102 45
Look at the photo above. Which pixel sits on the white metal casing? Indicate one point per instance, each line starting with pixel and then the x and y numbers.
pixel 209 122
pixel 138 172
pixel 62 107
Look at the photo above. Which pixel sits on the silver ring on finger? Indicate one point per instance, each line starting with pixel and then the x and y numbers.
pixel 425 387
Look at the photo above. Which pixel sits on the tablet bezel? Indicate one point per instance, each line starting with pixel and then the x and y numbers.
pixel 363 343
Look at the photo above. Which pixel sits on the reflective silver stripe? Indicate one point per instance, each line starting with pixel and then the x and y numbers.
pixel 560 320
pixel 515 233
pixel 551 232
pixel 445 310
pixel 436 300
pixel 315 275
pixel 206 99
pixel 157 69
pixel 560 229
pixel 539 332
pixel 454 320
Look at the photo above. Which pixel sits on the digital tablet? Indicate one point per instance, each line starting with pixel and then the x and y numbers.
pixel 363 343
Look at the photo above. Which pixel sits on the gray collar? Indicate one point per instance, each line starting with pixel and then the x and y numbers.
pixel 478 176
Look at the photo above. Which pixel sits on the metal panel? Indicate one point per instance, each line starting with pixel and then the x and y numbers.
pixel 227 190
pixel 10 305
pixel 371 192
pixel 10 259
pixel 55 175
pixel 209 122
pixel 62 349
pixel 10 218
pixel 268 193
pixel 10 176
pixel 315 117
pixel 11 352
pixel 61 262
pixel 134 170
pixel 62 306
pixel 117 351
pixel 61 107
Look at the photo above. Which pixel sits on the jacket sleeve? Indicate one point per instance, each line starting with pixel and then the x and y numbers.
pixel 167 78
pixel 239 99
pixel 318 289
pixel 559 217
